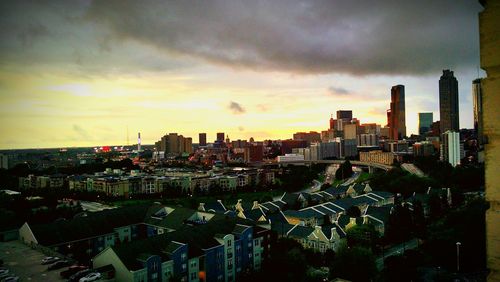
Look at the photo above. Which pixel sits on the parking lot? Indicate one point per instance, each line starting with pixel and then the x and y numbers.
pixel 24 262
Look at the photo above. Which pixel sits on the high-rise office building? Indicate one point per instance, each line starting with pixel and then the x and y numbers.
pixel 397 117
pixel 425 121
pixel 477 102
pixel 220 136
pixel 450 147
pixel 344 115
pixel 202 139
pixel 448 102
pixel 350 131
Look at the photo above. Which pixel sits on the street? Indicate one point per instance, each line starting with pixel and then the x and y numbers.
pixel 399 249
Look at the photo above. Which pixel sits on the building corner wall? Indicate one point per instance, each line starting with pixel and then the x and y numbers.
pixel 489 30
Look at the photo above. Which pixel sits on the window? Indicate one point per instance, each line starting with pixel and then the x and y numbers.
pixel 256 242
pixel 229 243
pixel 183 256
pixel 184 267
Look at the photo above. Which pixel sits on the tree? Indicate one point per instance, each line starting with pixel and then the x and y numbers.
pixel 362 236
pixel 353 211
pixel 348 261
pixel 344 171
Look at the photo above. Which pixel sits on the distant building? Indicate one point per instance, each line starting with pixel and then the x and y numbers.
pixel 477 101
pixel 350 147
pixel 385 132
pixel 396 146
pixel 288 145
pixel 310 137
pixel 239 143
pixel 254 153
pixel 344 115
pixel 424 123
pixel 4 161
pixel 423 149
pixel 397 121
pixel 350 131
pixel 220 136
pixel 368 140
pixel 173 144
pixel 450 147
pixel 386 158
pixel 290 158
pixel 448 102
pixel 436 129
pixel 202 139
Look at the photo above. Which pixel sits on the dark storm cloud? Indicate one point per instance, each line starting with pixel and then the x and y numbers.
pixel 357 37
pixel 236 108
pixel 329 36
pixel 338 90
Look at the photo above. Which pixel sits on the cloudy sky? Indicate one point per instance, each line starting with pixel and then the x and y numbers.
pixel 78 73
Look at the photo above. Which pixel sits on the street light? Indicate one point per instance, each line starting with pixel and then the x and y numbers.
pixel 458 256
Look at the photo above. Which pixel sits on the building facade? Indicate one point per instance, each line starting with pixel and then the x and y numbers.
pixel 425 121
pixel 448 102
pixel 450 147
pixel 397 121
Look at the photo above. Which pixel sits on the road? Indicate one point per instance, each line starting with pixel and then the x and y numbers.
pixel 399 249
pixel 411 168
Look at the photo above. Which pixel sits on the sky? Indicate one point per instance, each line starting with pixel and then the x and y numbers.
pixel 84 73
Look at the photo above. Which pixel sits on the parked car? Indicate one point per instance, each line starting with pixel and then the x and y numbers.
pixel 71 270
pixel 93 276
pixel 49 260
pixel 11 279
pixel 58 264
pixel 76 277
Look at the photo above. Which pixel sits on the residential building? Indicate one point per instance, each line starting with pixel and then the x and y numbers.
pixel 448 102
pixel 425 121
pixel 397 121
pixel 450 147
pixel 220 250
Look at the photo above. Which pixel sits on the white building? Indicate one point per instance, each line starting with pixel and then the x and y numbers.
pixel 290 158
pixel 450 147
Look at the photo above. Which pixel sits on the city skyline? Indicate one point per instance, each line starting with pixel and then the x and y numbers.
pixel 73 74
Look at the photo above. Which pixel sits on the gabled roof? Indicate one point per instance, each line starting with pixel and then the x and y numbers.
pixel 290 199
pixel 173 220
pixel 300 231
pixel 327 230
pixel 198 238
pixel 254 214
pixel 274 206
pixel 92 225
pixel 380 214
pixel 383 194
pixel 277 217
pixel 339 190
pixel 215 206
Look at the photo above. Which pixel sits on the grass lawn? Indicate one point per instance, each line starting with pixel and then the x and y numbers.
pixel 364 177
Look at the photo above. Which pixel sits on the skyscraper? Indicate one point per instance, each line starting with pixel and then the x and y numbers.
pixel 425 121
pixel 450 147
pixel 343 117
pixel 397 117
pixel 202 139
pixel 448 102
pixel 477 102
